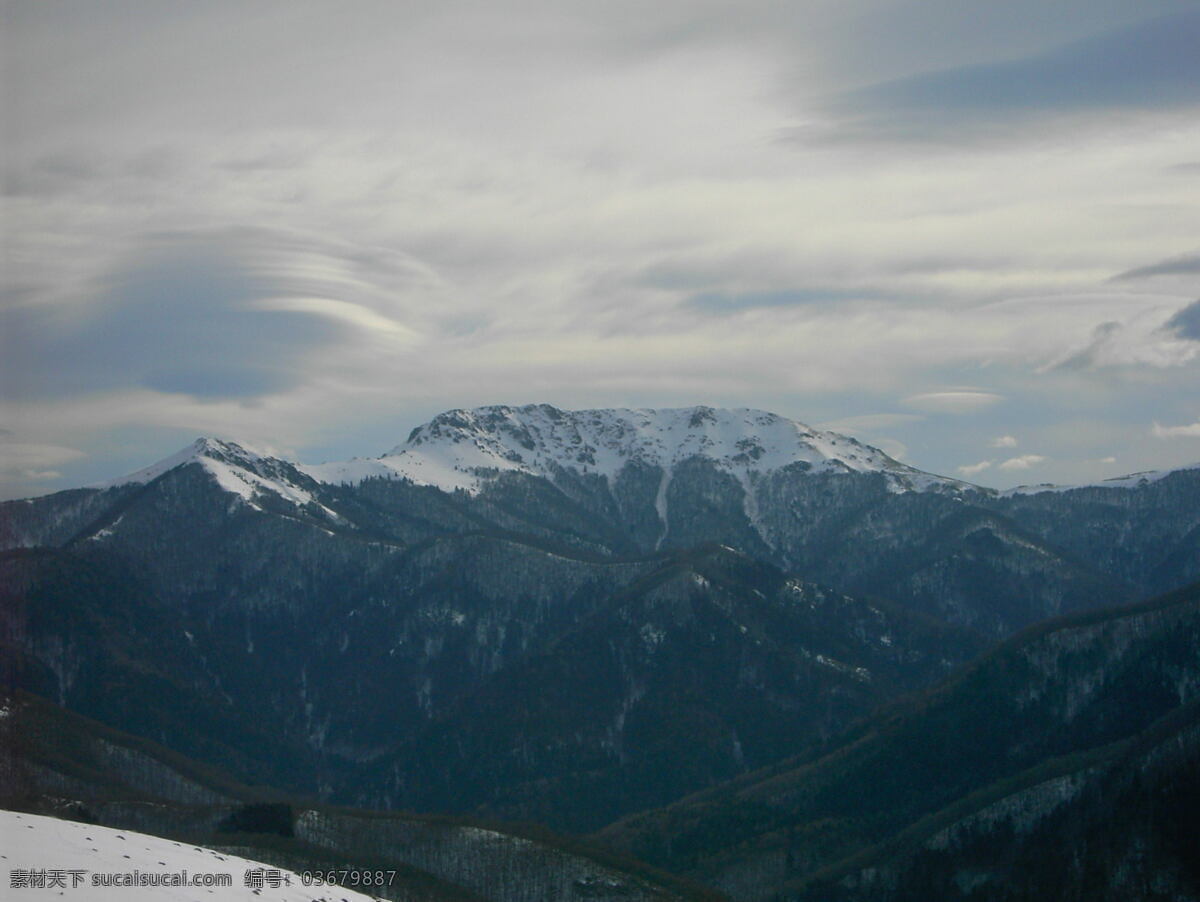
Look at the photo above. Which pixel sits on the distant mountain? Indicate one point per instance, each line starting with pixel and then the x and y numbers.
pixel 464 449
pixel 708 665
pixel 237 470
pixel 1128 481
pixel 717 589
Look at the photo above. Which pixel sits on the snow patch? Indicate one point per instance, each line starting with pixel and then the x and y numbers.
pixel 1131 481
pixel 238 470
pixel 660 505
pixel 64 849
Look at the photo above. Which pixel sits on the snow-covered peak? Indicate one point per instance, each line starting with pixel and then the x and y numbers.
pixel 1130 481
pixel 235 468
pixel 462 449
pixel 199 451
pixel 51 858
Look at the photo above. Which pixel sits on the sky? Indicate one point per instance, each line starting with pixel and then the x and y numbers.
pixel 965 232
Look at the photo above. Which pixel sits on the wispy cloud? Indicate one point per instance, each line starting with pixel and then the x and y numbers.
pixel 1004 441
pixel 1146 65
pixel 1024 462
pixel 953 402
pixel 1143 341
pixel 870 422
pixel 1186 265
pixel 975 469
pixel 1190 430
pixel 369 213
pixel 1185 323
pixel 29 464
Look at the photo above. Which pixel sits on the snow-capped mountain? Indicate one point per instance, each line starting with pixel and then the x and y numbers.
pixel 348 618
pixel 247 474
pixel 462 449
pixel 466 449
pixel 1129 481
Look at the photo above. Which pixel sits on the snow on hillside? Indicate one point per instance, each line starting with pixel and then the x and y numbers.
pixel 459 448
pixel 1131 481
pixel 44 857
pixel 235 468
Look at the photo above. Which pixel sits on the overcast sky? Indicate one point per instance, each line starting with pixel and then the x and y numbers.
pixel 966 232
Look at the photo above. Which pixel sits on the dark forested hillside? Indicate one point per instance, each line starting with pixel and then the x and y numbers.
pixel 58 763
pixel 962 775
pixel 570 617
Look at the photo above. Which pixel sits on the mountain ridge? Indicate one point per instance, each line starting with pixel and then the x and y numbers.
pixel 467 448
pixel 453 450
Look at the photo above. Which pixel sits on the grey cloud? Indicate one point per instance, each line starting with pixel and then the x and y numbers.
pixel 716 302
pixel 1186 265
pixel 178 318
pixel 1186 322
pixel 273 160
pixel 955 401
pixel 1149 65
pixel 69 171
pixel 51 174
pixel 1086 358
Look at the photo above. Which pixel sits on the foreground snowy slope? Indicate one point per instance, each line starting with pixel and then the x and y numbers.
pixel 44 854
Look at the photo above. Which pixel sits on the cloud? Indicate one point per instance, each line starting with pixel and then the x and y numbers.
pixel 1004 441
pixel 1191 430
pixel 1185 265
pixel 1185 323
pixel 357 315
pixel 1024 462
pixel 973 469
pixel 585 203
pixel 1145 65
pixel 1144 341
pixel 21 455
pixel 24 463
pixel 209 316
pixel 953 402
pixel 727 303
pixel 869 422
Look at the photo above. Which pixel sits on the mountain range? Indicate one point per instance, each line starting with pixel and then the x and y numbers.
pixel 697 634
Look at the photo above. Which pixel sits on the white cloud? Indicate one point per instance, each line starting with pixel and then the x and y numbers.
pixel 1004 441
pixel 1189 431
pixel 357 315
pixel 953 402
pixel 29 466
pixel 973 469
pixel 1024 462
pixel 39 475
pixel 478 204
pixel 20 456
pixel 892 448
pixel 867 423
pixel 1140 340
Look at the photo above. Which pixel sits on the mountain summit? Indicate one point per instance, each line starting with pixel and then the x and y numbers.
pixel 461 449
pixel 248 474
